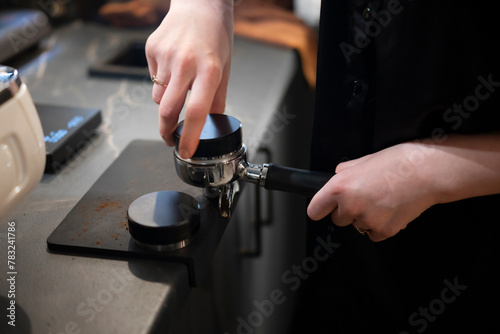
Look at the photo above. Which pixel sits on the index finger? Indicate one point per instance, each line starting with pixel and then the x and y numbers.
pixel 322 203
pixel 197 108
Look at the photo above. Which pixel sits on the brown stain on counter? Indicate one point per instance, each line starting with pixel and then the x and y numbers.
pixel 109 204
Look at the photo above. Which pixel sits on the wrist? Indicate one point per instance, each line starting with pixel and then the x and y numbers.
pixel 422 165
pixel 224 5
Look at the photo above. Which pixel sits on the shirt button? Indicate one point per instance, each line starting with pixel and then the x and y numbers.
pixel 356 87
pixel 367 13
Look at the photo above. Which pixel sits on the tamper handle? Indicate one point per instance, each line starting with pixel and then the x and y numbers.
pixel 295 180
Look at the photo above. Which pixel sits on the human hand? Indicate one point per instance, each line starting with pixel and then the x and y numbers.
pixel 191 50
pixel 380 193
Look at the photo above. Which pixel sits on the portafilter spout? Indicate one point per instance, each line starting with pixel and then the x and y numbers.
pixel 220 160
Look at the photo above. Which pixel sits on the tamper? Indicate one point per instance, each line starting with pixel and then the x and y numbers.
pixel 220 160
pixel 164 220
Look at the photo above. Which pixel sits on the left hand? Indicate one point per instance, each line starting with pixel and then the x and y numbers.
pixel 191 51
pixel 381 193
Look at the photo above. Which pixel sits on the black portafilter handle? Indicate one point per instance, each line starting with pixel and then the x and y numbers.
pixel 293 180
pixel 222 135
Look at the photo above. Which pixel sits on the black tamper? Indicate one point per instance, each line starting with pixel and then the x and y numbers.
pixel 164 220
pixel 221 136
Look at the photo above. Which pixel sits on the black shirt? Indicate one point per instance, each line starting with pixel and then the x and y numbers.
pixel 390 72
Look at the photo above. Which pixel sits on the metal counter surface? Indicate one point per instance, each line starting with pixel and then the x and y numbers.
pixel 65 293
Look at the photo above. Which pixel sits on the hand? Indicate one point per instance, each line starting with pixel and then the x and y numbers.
pixel 191 50
pixel 381 192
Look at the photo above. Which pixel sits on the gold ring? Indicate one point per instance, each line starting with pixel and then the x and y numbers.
pixel 360 230
pixel 158 82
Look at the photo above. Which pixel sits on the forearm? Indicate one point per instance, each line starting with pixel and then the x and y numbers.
pixel 225 5
pixel 461 166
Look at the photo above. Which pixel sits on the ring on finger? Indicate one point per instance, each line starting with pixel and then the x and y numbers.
pixel 157 81
pixel 359 229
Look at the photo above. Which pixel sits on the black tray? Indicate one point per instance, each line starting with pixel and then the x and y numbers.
pixel 98 223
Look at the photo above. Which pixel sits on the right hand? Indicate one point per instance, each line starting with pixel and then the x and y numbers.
pixel 191 50
pixel 382 192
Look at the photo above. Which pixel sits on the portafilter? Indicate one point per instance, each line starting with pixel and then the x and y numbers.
pixel 221 159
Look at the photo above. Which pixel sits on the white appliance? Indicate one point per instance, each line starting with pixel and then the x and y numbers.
pixel 22 146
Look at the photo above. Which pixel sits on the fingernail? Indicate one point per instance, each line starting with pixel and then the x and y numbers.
pixel 184 153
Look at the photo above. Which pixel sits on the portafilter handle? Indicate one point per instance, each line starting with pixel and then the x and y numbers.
pixel 292 180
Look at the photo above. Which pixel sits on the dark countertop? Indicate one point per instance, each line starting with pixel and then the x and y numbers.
pixel 70 293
